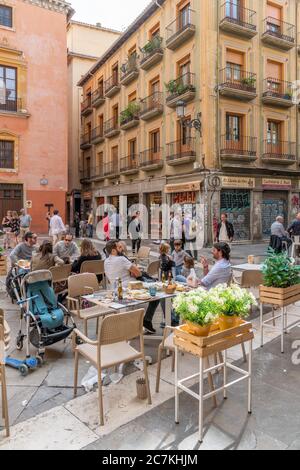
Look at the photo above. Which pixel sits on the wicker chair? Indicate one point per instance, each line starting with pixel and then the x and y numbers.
pixel 80 285
pixel 4 344
pixel 153 269
pixel 112 348
pixel 142 255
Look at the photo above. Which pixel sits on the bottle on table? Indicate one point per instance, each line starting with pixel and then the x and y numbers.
pixel 163 277
pixel 170 279
pixel 116 286
pixel 120 289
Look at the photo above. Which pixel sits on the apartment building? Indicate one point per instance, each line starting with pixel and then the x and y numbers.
pixel 86 43
pixel 236 63
pixel 33 107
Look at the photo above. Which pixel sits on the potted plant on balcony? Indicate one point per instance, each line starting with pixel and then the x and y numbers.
pixel 233 304
pixel 130 113
pixel 198 309
pixel 152 45
pixel 281 280
pixel 249 82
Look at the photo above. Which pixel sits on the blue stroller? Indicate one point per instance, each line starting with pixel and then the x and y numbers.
pixel 46 321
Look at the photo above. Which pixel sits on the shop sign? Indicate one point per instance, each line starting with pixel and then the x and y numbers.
pixel 271 183
pixel 182 187
pixel 28 205
pixel 239 183
pixel 87 196
pixel 184 198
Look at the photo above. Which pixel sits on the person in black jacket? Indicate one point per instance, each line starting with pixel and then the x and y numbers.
pixel 87 253
pixel 225 232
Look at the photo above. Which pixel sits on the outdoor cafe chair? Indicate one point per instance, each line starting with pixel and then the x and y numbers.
pixel 153 269
pixel 60 275
pixel 93 267
pixel 112 348
pixel 142 255
pixel 4 344
pixel 80 285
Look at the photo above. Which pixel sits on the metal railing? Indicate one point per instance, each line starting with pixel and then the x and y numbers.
pixel 238 79
pixel 272 87
pixel 131 162
pixel 234 144
pixel 151 156
pixel 130 66
pixel 86 104
pixel 97 172
pixel 97 133
pixel 152 102
pixel 152 47
pixel 180 149
pixel 97 94
pixel 10 105
pixel 85 139
pixel 111 125
pixel 111 83
pixel 236 14
pixel 86 173
pixel 279 29
pixel 111 168
pixel 181 85
pixel 281 150
pixel 184 20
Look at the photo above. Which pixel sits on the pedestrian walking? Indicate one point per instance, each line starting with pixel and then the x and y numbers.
pixel 225 231
pixel 90 224
pixel 135 232
pixel 57 227
pixel 15 227
pixel 7 230
pixel 25 223
pixel 116 224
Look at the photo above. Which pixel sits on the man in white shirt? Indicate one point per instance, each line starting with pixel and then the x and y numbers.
pixel 57 227
pixel 116 266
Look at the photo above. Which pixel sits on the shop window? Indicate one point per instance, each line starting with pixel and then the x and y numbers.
pixel 6 16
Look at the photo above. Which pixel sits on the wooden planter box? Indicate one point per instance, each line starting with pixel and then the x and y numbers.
pixel 3 265
pixel 280 297
pixel 217 340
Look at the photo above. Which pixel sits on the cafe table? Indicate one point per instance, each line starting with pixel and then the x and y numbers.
pixel 247 267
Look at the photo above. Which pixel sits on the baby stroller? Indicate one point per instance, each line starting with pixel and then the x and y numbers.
pixel 46 321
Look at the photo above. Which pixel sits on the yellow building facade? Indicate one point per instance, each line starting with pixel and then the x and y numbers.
pixel 236 63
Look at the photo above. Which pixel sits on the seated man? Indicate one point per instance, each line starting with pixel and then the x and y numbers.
pixel 294 228
pixel 278 230
pixel 221 273
pixel 117 266
pixel 67 249
pixel 24 250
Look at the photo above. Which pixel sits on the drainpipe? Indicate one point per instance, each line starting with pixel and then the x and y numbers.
pixel 157 4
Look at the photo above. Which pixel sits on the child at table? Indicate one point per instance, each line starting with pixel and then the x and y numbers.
pixel 186 271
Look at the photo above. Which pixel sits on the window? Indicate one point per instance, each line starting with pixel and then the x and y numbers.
pixel 234 65
pixel 233 9
pixel 8 88
pixel 7 151
pixel 154 32
pixel 115 115
pixel 274 14
pixel 100 87
pixel 114 156
pixel 115 74
pixel 184 16
pixel 101 123
pixel 233 127
pixel 132 97
pixel 6 16
pixel 154 86
pixel 87 167
pixel 155 141
pixel 132 148
pixel 100 160
pixel 273 132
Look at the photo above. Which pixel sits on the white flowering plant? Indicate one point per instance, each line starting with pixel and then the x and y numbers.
pixel 233 301
pixel 198 307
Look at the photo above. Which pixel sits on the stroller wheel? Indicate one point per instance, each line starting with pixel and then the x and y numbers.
pixel 40 360
pixel 20 343
pixel 23 369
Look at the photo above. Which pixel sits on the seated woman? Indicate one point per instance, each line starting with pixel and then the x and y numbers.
pixel 88 252
pixel 45 259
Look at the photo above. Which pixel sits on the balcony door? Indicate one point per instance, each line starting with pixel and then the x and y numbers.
pixel 274 14
pixel 154 145
pixel 274 137
pixel 184 138
pixel 234 66
pixel 184 71
pixel 115 116
pixel 184 17
pixel 234 132
pixel 274 74
pixel 87 167
pixel 8 88
pixel 115 158
pixel 234 10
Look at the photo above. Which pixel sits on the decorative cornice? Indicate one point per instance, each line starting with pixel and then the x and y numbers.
pixel 59 6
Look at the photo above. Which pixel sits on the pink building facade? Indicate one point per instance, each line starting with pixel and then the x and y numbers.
pixel 33 107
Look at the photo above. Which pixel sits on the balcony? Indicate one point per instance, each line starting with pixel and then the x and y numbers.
pixel 152 53
pixel 130 116
pixel 279 153
pixel 85 175
pixel 13 106
pixel 279 34
pixel 183 89
pixel 97 136
pixel 181 29
pixel 98 98
pixel 111 169
pixel 238 84
pixel 238 20
pixel 277 93
pixel 111 128
pixel 86 106
pixel 85 141
pixel 151 159
pixel 151 106
pixel 129 70
pixel 238 148
pixel 129 165
pixel 112 86
pixel 179 152
pixel 97 173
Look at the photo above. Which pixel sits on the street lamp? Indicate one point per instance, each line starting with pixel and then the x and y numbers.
pixel 190 123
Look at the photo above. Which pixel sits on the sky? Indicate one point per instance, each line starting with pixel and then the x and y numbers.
pixel 115 14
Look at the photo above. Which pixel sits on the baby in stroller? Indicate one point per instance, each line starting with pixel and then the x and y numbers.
pixel 45 318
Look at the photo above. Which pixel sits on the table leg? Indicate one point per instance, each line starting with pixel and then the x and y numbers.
pixel 261 325
pixel 225 374
pixel 201 392
pixel 250 378
pixel 168 312
pixel 282 330
pixel 176 387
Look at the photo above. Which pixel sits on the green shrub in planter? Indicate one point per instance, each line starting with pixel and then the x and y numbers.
pixel 279 272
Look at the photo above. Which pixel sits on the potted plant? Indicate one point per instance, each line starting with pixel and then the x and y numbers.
pixel 249 82
pixel 198 309
pixel 233 304
pixel 171 87
pixel 281 280
pixel 130 113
